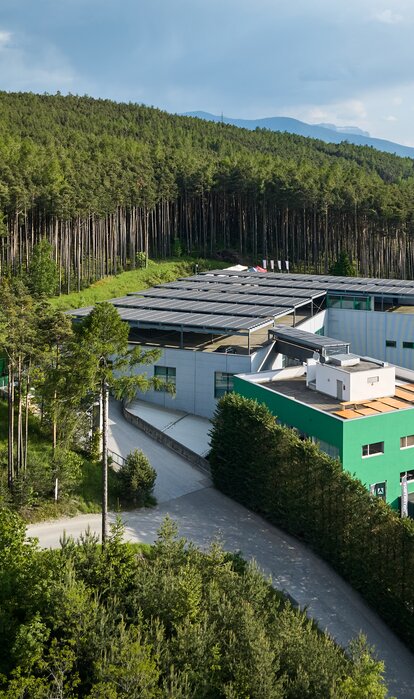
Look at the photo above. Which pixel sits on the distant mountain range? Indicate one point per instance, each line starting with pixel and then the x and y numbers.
pixel 325 132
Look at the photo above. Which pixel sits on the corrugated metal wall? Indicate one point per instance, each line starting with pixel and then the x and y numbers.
pixel 368 331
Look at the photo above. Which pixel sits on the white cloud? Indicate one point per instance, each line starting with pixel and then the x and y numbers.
pixel 388 17
pixel 391 118
pixel 24 65
pixel 5 38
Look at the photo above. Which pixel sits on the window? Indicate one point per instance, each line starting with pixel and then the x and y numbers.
pixel 223 383
pixel 166 374
pixel 329 449
pixel 409 474
pixel 406 442
pixel 372 379
pixel 373 449
pixel 390 343
pixel 408 345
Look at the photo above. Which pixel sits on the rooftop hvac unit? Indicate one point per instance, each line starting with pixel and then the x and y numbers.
pixel 344 359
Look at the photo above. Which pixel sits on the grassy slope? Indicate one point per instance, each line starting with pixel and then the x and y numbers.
pixel 111 287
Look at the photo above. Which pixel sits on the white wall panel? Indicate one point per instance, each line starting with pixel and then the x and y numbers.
pixel 367 331
pixel 194 378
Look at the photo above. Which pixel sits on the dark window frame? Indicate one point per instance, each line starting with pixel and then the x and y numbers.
pixel 219 391
pixel 373 449
pixel 169 377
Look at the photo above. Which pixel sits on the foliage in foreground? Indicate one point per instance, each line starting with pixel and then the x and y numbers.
pixel 294 485
pixel 173 622
pixel 137 479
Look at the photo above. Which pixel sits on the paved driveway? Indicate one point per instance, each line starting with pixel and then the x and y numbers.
pixel 203 513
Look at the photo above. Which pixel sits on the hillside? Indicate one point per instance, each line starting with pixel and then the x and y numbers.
pixel 325 132
pixel 104 181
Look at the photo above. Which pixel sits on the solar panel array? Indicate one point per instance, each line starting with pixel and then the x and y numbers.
pixel 328 283
pixel 305 339
pixel 227 301
pixel 201 322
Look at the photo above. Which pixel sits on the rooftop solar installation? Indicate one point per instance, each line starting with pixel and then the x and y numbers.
pixel 191 322
pixel 327 283
pixel 308 293
pixel 226 301
pixel 305 339
pixel 171 304
pixel 255 282
pixel 252 298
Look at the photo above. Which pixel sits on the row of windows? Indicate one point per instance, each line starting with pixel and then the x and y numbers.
pixel 393 343
pixel 378 447
pixel 355 303
pixel 223 382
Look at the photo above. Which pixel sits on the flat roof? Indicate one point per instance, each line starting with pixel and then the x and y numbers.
pixel 296 388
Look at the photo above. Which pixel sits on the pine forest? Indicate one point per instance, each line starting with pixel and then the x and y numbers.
pixel 103 182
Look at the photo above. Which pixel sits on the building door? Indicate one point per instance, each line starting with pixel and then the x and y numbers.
pixel 339 390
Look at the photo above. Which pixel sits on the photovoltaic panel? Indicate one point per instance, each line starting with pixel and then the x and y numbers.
pixel 244 289
pixel 180 305
pixel 250 295
pixel 189 320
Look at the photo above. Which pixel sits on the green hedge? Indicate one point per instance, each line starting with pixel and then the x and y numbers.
pixel 293 484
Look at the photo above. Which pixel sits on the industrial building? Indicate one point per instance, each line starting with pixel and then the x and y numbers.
pixel 358 410
pixel 224 330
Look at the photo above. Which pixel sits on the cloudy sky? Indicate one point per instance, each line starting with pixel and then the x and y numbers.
pixel 349 62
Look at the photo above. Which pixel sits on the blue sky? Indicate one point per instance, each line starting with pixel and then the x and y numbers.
pixel 340 61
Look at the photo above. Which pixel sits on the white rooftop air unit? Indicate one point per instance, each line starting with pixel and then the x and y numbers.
pixel 344 359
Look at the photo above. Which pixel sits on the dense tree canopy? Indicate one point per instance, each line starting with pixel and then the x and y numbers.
pixel 104 181
pixel 171 622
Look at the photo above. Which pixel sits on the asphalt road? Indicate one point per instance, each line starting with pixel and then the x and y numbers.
pixel 204 514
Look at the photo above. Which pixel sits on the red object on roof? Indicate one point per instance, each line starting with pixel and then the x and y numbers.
pixel 260 269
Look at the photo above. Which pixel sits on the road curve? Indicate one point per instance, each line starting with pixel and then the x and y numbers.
pixel 203 514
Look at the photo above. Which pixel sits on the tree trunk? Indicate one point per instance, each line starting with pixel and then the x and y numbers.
pixel 10 451
pixel 104 398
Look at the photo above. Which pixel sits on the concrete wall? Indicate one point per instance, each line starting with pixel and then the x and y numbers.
pixel 160 436
pixel 194 378
pixel 355 385
pixel 317 322
pixel 326 378
pixel 362 388
pixel 367 331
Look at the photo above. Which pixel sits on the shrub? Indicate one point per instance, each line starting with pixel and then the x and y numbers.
pixel 294 485
pixel 137 479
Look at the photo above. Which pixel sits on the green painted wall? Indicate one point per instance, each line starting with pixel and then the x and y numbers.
pixel 348 435
pixel 387 428
pixel 314 423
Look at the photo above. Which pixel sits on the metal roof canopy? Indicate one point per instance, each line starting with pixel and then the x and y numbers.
pixel 317 343
pixel 186 322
